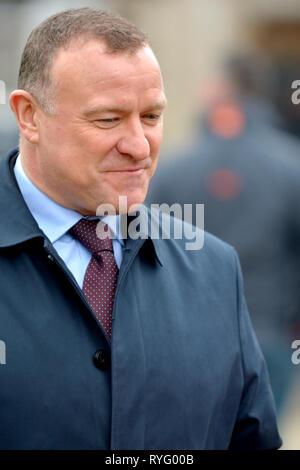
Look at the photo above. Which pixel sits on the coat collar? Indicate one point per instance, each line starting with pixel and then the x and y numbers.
pixel 19 226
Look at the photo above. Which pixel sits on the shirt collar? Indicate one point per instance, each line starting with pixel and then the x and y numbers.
pixel 52 218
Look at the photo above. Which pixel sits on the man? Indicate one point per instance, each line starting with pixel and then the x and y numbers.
pixel 135 344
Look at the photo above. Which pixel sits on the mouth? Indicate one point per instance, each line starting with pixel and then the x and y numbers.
pixel 129 171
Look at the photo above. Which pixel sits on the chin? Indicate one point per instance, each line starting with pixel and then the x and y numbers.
pixel 124 205
pixel 138 199
pixel 117 206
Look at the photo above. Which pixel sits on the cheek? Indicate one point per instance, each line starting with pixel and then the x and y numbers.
pixel 154 148
pixel 155 140
pixel 53 125
pixel 93 144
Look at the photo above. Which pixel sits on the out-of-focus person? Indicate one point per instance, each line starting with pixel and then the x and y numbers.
pixel 246 172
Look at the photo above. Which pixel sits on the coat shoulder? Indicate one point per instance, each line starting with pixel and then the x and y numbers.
pixel 177 235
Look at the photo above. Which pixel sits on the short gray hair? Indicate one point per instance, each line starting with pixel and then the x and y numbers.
pixel 57 31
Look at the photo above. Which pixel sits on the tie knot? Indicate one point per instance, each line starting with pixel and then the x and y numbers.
pixel 93 234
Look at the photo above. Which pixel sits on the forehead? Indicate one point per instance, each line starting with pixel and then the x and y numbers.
pixel 82 74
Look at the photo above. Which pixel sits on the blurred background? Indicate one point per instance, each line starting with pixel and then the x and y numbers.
pixel 232 142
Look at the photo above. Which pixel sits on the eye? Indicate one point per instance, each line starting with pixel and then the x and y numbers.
pixel 152 117
pixel 107 122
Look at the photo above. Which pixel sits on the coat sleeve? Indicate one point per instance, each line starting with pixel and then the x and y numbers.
pixel 255 426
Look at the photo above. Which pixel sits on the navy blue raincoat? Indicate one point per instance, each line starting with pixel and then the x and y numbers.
pixel 183 369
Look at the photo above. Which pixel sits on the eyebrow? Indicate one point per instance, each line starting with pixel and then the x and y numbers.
pixel 160 105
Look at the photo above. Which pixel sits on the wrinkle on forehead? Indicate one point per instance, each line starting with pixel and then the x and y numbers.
pixel 92 58
pixel 90 70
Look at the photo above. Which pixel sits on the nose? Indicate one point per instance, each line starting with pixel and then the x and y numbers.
pixel 134 142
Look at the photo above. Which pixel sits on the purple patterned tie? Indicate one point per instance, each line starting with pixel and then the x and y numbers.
pixel 100 279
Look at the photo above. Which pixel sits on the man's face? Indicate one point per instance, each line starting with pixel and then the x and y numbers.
pixel 103 139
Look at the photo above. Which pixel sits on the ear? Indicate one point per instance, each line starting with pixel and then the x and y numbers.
pixel 24 107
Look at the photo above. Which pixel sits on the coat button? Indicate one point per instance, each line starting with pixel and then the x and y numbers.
pixel 102 359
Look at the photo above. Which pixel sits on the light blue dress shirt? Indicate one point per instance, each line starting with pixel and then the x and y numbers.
pixel 55 221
